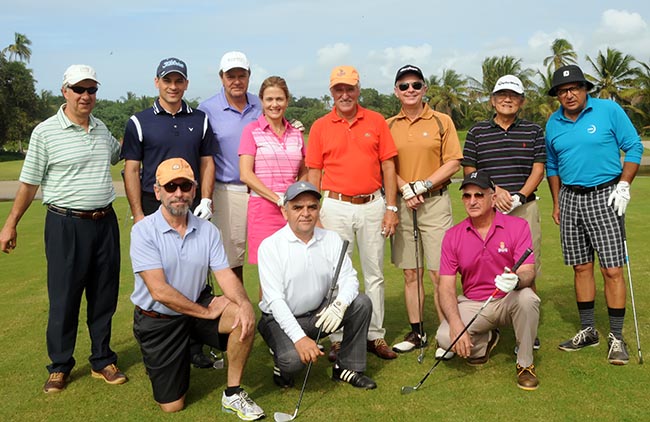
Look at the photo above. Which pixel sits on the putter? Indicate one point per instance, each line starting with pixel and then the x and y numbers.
pixel 284 417
pixel 416 238
pixel 629 279
pixel 409 389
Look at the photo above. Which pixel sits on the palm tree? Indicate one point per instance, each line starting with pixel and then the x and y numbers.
pixel 19 49
pixel 563 55
pixel 639 107
pixel 446 94
pixel 495 67
pixel 614 73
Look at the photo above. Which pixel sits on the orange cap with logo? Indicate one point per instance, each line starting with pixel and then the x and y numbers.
pixel 347 75
pixel 173 168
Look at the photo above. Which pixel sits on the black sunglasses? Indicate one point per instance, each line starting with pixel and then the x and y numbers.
pixel 80 89
pixel 405 85
pixel 185 186
pixel 477 195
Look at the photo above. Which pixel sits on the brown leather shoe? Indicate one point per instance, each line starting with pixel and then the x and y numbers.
pixel 56 382
pixel 527 378
pixel 381 348
pixel 111 374
pixel 492 342
pixel 334 351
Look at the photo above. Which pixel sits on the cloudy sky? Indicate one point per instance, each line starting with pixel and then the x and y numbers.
pixel 302 40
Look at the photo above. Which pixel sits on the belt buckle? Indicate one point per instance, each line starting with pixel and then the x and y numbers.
pixel 96 215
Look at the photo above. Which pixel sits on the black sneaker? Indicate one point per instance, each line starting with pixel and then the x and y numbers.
pixel 356 379
pixel 282 381
pixel 199 360
pixel 617 354
pixel 584 338
pixel 411 342
pixel 492 343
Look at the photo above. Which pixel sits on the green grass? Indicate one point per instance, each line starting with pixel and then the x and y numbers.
pixel 573 386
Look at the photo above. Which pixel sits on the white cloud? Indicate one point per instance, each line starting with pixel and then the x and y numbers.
pixel 332 55
pixel 622 22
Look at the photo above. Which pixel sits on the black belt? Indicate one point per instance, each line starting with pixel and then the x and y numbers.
pixel 581 190
pixel 531 197
pixel 154 314
pixel 97 214
pixel 432 193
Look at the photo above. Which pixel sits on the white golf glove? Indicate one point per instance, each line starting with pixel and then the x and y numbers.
pixel 330 318
pixel 204 209
pixel 280 201
pixel 620 197
pixel 413 189
pixel 297 124
pixel 516 202
pixel 507 281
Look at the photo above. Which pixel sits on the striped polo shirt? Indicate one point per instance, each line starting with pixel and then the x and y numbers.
pixel 506 155
pixel 72 166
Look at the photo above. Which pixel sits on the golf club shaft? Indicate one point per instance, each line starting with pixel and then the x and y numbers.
pixel 629 279
pixel 416 239
pixel 344 249
pixel 489 299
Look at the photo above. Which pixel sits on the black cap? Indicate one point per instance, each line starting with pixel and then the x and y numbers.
pixel 566 75
pixel 406 69
pixel 478 178
pixel 171 65
pixel 298 188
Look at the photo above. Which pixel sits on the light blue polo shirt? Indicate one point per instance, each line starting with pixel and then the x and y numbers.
pixel 185 261
pixel 587 152
pixel 228 123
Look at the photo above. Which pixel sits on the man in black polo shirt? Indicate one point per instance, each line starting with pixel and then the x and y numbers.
pixel 171 128
pixel 512 151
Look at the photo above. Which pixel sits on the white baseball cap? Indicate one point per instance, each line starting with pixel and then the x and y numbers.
pixel 509 82
pixel 77 73
pixel 233 60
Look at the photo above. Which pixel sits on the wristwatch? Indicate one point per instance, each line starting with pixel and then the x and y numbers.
pixel 392 208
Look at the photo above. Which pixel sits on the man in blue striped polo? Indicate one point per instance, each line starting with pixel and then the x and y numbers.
pixel 69 156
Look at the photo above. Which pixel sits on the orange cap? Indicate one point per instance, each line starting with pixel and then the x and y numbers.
pixel 173 168
pixel 347 75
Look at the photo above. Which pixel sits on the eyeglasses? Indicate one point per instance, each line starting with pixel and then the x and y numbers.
pixel 405 85
pixel 502 95
pixel 172 186
pixel 477 195
pixel 80 89
pixel 563 92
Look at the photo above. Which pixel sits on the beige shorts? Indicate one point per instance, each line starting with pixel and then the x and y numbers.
pixel 434 218
pixel 530 212
pixel 230 209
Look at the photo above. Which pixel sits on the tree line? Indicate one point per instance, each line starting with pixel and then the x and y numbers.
pixel 615 75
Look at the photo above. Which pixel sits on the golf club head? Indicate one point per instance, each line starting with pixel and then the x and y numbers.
pixel 283 417
pixel 408 389
pixel 421 358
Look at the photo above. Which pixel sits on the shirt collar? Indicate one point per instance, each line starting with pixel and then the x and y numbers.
pixel 163 226
pixel 158 109
pixel 290 236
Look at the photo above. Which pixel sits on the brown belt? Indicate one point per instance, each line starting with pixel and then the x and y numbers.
pixel 97 214
pixel 358 199
pixel 154 314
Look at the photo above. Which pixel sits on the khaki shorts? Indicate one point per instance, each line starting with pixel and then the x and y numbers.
pixel 530 212
pixel 230 209
pixel 434 218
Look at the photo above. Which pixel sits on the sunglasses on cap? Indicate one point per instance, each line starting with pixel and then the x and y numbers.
pixel 80 89
pixel 172 186
pixel 405 85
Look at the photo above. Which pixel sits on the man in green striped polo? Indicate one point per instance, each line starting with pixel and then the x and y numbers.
pixel 69 157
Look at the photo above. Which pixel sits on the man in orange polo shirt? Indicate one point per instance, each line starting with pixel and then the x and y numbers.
pixel 350 156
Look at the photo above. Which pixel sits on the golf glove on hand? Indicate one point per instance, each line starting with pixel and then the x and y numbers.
pixel 620 197
pixel 507 281
pixel 516 202
pixel 332 316
pixel 280 201
pixel 297 124
pixel 204 209
pixel 411 190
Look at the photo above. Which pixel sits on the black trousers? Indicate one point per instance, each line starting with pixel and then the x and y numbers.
pixel 82 256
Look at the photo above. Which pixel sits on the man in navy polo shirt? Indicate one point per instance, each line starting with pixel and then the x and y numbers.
pixel 171 128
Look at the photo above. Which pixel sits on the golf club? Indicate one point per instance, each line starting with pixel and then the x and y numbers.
pixel 409 389
pixel 416 239
pixel 284 417
pixel 629 278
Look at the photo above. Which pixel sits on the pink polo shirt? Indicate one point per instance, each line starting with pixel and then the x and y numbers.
pixel 479 261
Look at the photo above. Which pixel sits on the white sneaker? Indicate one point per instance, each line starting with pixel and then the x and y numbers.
pixel 440 354
pixel 411 341
pixel 242 405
